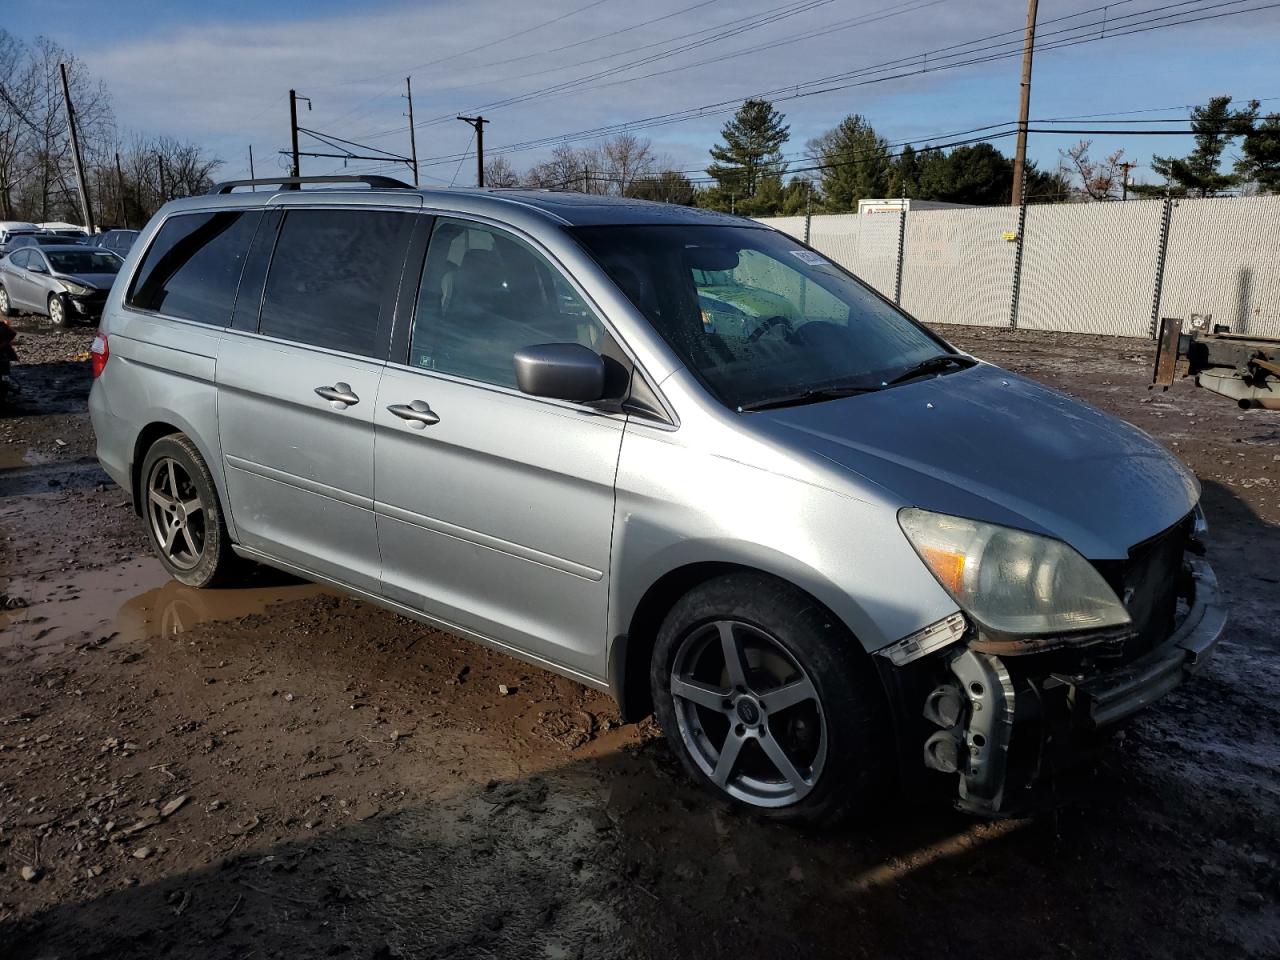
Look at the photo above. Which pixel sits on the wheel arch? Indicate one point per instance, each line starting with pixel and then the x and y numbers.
pixel 630 652
pixel 166 426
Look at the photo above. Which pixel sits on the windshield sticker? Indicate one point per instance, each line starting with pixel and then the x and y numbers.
pixel 809 257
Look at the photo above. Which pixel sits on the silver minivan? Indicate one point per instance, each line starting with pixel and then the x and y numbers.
pixel 671 454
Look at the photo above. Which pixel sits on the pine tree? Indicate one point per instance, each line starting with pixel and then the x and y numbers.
pixel 856 164
pixel 1260 160
pixel 1215 125
pixel 752 149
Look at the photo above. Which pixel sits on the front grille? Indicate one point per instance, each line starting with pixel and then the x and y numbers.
pixel 1148 584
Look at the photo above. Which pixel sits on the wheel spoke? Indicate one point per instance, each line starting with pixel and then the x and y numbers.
pixel 788 696
pixel 170 537
pixel 702 694
pixel 192 506
pixel 190 541
pixel 728 758
pixel 778 757
pixel 158 498
pixel 733 661
pixel 173 481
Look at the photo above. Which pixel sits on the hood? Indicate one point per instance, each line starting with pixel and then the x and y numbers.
pixel 989 445
pixel 100 281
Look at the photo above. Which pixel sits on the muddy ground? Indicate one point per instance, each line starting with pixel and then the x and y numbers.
pixel 277 771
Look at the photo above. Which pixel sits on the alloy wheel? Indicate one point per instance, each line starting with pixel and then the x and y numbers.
pixel 748 713
pixel 4 302
pixel 57 311
pixel 176 513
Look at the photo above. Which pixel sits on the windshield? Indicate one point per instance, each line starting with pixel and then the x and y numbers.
pixel 754 315
pixel 86 261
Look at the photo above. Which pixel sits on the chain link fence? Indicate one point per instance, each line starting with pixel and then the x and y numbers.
pixel 1102 268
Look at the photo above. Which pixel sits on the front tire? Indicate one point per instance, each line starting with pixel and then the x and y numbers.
pixel 57 310
pixel 183 517
pixel 770 702
pixel 6 308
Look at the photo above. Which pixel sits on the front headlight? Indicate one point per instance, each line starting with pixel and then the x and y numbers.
pixel 1011 581
pixel 76 289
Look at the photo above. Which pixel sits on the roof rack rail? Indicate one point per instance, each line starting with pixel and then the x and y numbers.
pixel 294 183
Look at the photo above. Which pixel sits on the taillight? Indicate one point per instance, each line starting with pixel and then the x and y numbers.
pixel 99 353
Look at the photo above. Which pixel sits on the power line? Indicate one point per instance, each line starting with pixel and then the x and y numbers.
pixel 935 53
pixel 730 29
pixel 490 43
pixel 598 36
pixel 845 80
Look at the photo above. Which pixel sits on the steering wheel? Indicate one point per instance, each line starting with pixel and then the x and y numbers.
pixel 767 324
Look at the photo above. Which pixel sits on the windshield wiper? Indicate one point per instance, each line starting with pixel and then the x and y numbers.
pixel 807 396
pixel 932 365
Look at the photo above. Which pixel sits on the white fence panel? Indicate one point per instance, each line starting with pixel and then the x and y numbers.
pixel 836 236
pixel 877 259
pixel 792 226
pixel 1090 267
pixel 958 265
pixel 1224 260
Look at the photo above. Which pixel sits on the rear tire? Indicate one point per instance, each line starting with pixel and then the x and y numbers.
pixel 183 517
pixel 58 311
pixel 6 308
pixel 799 731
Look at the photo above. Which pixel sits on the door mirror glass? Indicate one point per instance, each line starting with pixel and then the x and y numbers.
pixel 560 371
pixel 35 266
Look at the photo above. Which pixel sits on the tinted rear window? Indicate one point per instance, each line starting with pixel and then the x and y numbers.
pixel 86 261
pixel 329 275
pixel 193 267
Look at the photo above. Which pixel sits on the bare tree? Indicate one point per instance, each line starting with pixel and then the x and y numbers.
pixel 566 169
pixel 627 158
pixel 36 181
pixel 1098 180
pixel 498 172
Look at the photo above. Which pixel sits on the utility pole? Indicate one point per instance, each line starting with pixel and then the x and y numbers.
pixel 478 122
pixel 413 140
pixel 293 130
pixel 586 179
pixel 1024 112
pixel 124 207
pixel 85 207
pixel 1124 183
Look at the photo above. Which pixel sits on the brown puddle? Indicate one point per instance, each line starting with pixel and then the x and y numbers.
pixel 130 601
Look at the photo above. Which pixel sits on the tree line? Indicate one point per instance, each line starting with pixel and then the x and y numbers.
pixel 129 174
pixel 749 174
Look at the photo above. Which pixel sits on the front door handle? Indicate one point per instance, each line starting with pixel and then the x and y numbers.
pixel 418 413
pixel 340 395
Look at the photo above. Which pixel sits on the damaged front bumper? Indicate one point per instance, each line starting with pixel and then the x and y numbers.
pixel 1006 725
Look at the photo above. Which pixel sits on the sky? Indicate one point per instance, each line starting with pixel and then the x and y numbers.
pixel 218 73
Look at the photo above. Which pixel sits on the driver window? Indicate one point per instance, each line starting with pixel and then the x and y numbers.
pixel 19 258
pixel 486 294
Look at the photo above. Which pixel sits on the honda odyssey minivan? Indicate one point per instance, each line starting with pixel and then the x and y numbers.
pixel 833 554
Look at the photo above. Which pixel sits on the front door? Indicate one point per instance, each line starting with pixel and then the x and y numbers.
pixel 495 509
pixel 296 397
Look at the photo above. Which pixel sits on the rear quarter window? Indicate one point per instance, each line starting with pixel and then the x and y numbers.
pixel 192 269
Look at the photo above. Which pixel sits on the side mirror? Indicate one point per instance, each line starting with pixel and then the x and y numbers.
pixel 37 268
pixel 561 371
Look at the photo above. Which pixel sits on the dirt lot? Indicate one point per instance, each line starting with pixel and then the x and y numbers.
pixel 278 771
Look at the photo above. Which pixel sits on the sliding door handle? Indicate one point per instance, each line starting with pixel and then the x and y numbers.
pixel 417 413
pixel 339 393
